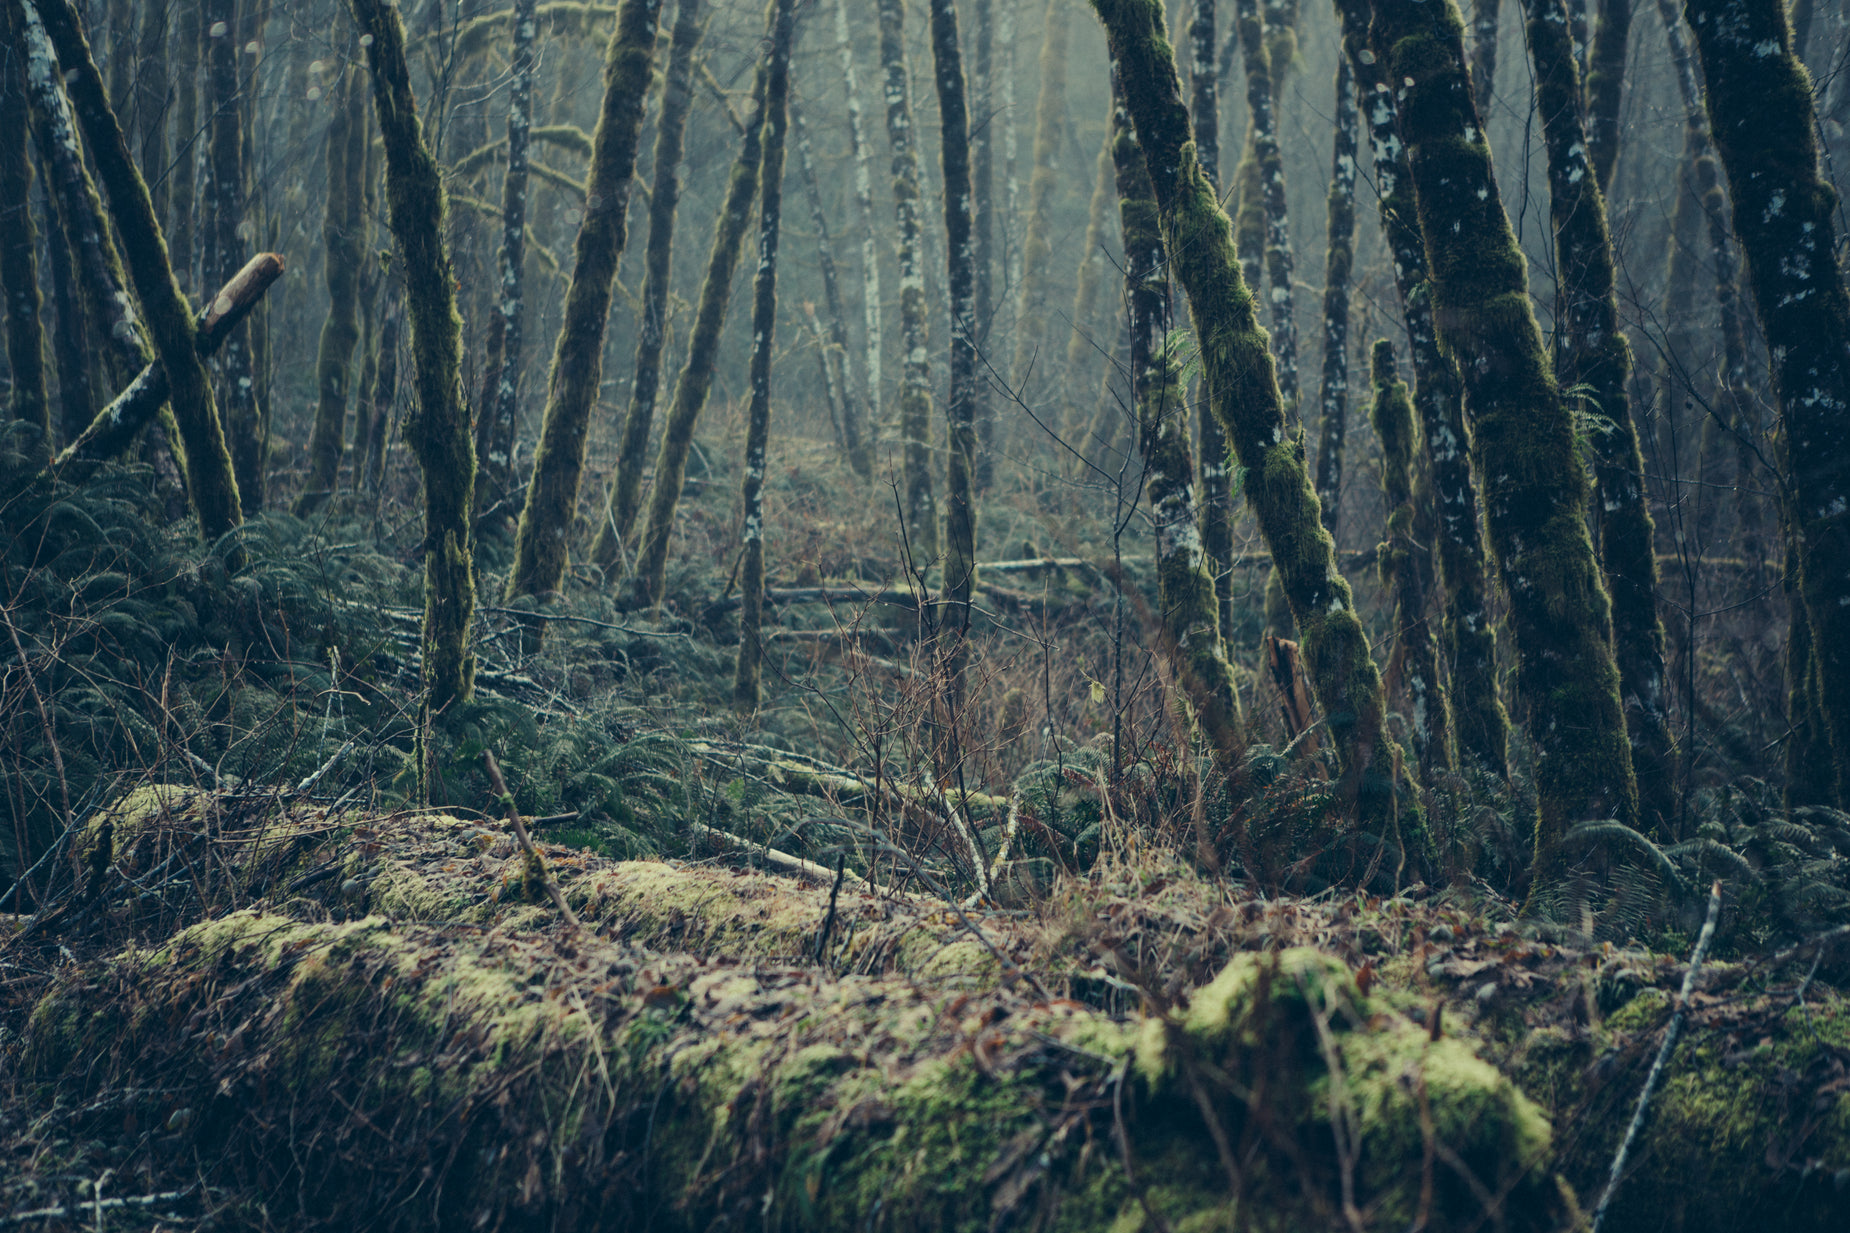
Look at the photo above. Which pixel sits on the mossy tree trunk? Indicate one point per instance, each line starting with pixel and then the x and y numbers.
pixel 19 276
pixel 1484 30
pixel 1760 111
pixel 1043 178
pixel 1333 396
pixel 745 687
pixel 696 379
pixel 1245 395
pixel 495 417
pixel 625 498
pixel 578 357
pixel 1415 654
pixel 1591 355
pixel 438 428
pixel 1190 613
pixel 1522 433
pixel 343 234
pixel 188 34
pixel 383 395
pixel 915 379
pixel 1605 87
pixel 70 346
pixel 237 377
pixel 1479 722
pixel 154 99
pixel 870 246
pixel 981 48
pixel 211 484
pixel 1265 75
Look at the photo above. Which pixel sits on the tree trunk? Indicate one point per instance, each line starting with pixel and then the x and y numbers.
pixel 153 99
pixel 237 378
pixel 745 687
pixel 1216 498
pixel 1605 87
pixel 1037 246
pixel 188 34
pixel 384 394
pixel 1190 614
pixel 870 254
pixel 625 499
pixel 343 234
pixel 1484 53
pixel 1334 394
pixel 696 379
pixel 438 428
pixel 1246 398
pixel 70 347
pixel 915 382
pixel 496 416
pixel 211 484
pixel 1081 374
pixel 577 362
pixel 1414 657
pixel 837 356
pixel 1760 111
pixel 1478 720
pixel 19 276
pixel 1265 76
pixel 1522 434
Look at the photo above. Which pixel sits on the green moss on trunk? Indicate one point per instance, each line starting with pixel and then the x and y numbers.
pixel 19 277
pixel 1760 111
pixel 343 233
pixel 578 358
pixel 1334 395
pixel 1522 433
pixel 1605 87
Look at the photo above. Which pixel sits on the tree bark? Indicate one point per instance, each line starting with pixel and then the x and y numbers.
pixel 211 484
pixel 1265 75
pixel 1087 339
pixel 19 276
pixel 745 683
pixel 578 358
pixel 1478 720
pixel 1216 499
pixel 1761 116
pixel 1522 434
pixel 870 249
pixel 1334 393
pixel 838 360
pixel 915 380
pixel 438 428
pixel 1246 398
pixel 244 428
pixel 652 330
pixel 1036 245
pixel 1605 87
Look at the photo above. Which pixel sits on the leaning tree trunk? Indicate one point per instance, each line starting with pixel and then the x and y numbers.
pixel 960 403
pixel 1478 720
pixel 1760 111
pixel 344 238
pixel 745 688
pixel 242 413
pixel 1245 396
pixel 1484 53
pixel 438 429
pixel 495 418
pixel 1037 243
pixel 19 276
pixel 696 379
pixel 915 382
pixel 1190 614
pixel 1605 87
pixel 187 37
pixel 578 358
pixel 625 499
pixel 1592 356
pixel 870 249
pixel 1522 434
pixel 1334 394
pixel 1415 659
pixel 211 484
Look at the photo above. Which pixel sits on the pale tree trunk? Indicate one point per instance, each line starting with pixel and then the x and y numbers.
pixel 187 36
pixel 915 382
pixel 1334 393
pixel 496 416
pixel 578 357
pixel 1484 25
pixel 1265 74
pixel 237 377
pixel 1478 720
pixel 1085 346
pixel 838 365
pixel 864 211
pixel 1605 87
pixel 1761 116
pixel 1522 437
pixel 745 681
pixel 343 235
pixel 1037 246
pixel 1216 498
pixel 625 501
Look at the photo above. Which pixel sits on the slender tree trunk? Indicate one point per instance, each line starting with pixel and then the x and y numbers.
pixel 1522 434
pixel 1216 499
pixel 745 687
pixel 19 276
pixel 837 357
pixel 982 226
pixel 1037 244
pixel 1760 111
pixel 497 414
pixel 344 239
pixel 696 379
pixel 70 340
pixel 1334 394
pixel 384 394
pixel 870 249
pixel 1591 355
pixel 153 97
pixel 1605 87
pixel 237 379
pixel 1262 94
pixel 211 484
pixel 1087 339
pixel 1245 395
pixel 625 499
pixel 1478 720
pixel 915 382
pixel 1191 634
pixel 438 429
pixel 1414 657
pixel 1484 53
pixel 960 276
pixel 188 34
pixel 577 364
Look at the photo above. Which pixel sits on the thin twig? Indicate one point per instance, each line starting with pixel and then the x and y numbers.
pixel 526 844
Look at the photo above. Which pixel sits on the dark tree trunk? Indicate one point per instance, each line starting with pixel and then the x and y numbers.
pixel 19 276
pixel 1334 394
pixel 237 378
pixel 1605 87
